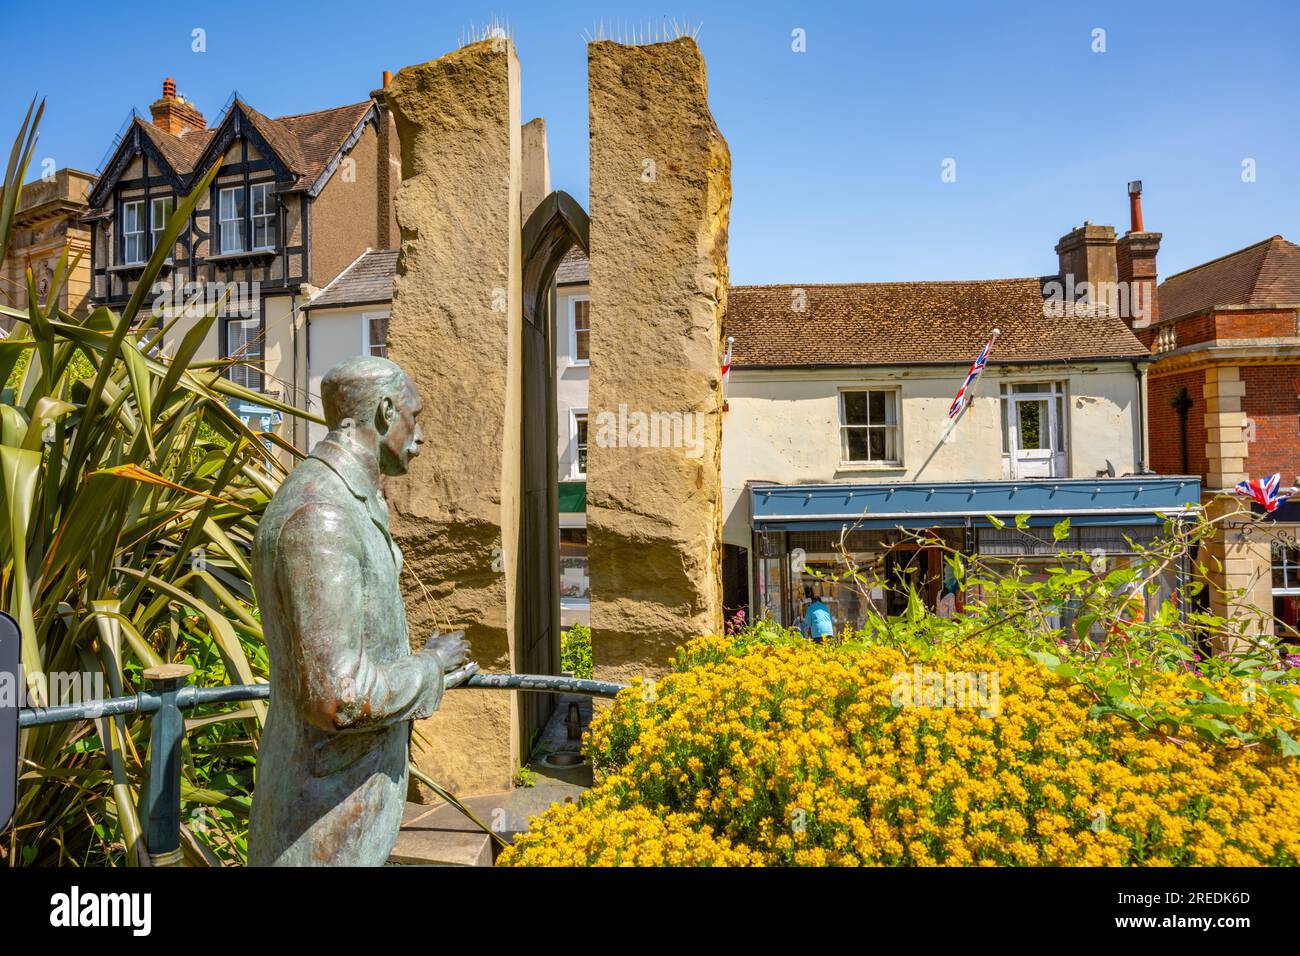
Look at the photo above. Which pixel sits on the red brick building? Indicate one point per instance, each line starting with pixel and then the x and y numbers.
pixel 1224 403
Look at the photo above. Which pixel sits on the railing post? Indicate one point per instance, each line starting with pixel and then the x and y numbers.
pixel 162 802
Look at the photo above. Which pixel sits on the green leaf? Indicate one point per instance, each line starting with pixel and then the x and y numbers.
pixel 1286 743
pixel 1047 660
pixel 1215 728
pixel 138 373
pixel 1061 530
pixel 19 470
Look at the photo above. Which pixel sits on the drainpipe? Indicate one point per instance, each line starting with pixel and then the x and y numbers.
pixel 293 325
pixel 1182 403
pixel 1139 373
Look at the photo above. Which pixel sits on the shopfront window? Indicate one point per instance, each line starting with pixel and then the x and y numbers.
pixel 575 582
pixel 866 573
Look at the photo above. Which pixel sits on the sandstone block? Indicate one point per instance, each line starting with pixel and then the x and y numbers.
pixel 660 202
pixel 455 327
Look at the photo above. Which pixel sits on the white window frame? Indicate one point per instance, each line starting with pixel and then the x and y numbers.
pixel 368 343
pixel 573 328
pixel 1056 389
pixel 575 465
pixel 240 373
pixel 223 220
pixel 137 234
pixel 158 220
pixel 270 217
pixel 895 396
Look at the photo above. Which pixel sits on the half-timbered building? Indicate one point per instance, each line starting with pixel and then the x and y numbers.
pixel 296 199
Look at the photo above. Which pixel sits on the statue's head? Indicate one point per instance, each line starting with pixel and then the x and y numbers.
pixel 374 395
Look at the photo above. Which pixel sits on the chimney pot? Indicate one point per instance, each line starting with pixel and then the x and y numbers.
pixel 388 78
pixel 169 88
pixel 1135 206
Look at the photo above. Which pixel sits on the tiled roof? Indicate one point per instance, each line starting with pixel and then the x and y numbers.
pixel 573 268
pixel 282 141
pixel 368 280
pixel 895 323
pixel 181 151
pixel 1267 273
pixel 319 135
pixel 306 142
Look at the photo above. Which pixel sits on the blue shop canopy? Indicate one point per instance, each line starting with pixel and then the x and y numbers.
pixel 1138 500
pixel 257 417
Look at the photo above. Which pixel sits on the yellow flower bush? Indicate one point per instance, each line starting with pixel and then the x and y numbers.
pixel 804 755
pixel 602 835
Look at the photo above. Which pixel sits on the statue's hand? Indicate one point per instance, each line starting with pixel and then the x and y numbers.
pixel 450 650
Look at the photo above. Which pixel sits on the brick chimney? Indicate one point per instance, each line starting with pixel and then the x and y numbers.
pixel 1086 254
pixel 1136 263
pixel 171 114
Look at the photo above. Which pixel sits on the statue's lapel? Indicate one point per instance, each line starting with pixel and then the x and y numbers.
pixel 360 472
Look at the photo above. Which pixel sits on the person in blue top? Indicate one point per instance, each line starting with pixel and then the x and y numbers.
pixel 817 622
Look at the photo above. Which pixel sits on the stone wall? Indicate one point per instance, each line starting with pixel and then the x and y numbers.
pixel 660 201
pixel 455 327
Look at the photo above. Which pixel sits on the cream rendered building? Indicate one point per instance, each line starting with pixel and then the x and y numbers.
pixel 572 375
pixel 837 439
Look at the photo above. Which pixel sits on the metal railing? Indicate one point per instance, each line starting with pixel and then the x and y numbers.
pixel 170 694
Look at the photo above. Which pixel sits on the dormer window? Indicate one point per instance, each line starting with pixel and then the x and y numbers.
pixel 159 211
pixel 247 219
pixel 230 214
pixel 133 232
pixel 262 201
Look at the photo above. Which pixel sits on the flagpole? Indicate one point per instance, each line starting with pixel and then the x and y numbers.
pixel 726 372
pixel 966 402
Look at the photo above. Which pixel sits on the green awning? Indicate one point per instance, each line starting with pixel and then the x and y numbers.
pixel 573 497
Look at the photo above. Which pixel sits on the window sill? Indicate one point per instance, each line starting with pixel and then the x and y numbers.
pixel 851 467
pixel 234 257
pixel 134 269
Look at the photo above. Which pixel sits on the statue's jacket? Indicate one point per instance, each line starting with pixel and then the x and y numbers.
pixel 332 764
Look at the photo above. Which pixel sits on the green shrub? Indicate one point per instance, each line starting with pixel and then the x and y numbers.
pixel 123 467
pixel 575 651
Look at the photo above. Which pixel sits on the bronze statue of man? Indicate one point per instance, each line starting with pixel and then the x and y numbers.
pixel 332 765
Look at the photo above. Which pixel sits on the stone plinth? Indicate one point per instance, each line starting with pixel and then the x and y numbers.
pixel 1238 566
pixel 455 327
pixel 660 200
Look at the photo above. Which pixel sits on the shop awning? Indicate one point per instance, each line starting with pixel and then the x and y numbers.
pixel 1138 500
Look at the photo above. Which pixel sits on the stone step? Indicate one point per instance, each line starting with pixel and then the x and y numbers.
pixel 440 835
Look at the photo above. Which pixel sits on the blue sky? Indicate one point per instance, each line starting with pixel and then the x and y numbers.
pixel 836 151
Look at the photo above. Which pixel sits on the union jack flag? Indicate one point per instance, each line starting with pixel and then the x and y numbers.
pixel 1264 490
pixel 981 360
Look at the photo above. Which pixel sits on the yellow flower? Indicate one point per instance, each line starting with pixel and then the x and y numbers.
pixel 797 755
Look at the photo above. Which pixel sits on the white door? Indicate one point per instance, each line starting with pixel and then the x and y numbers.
pixel 1033 436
